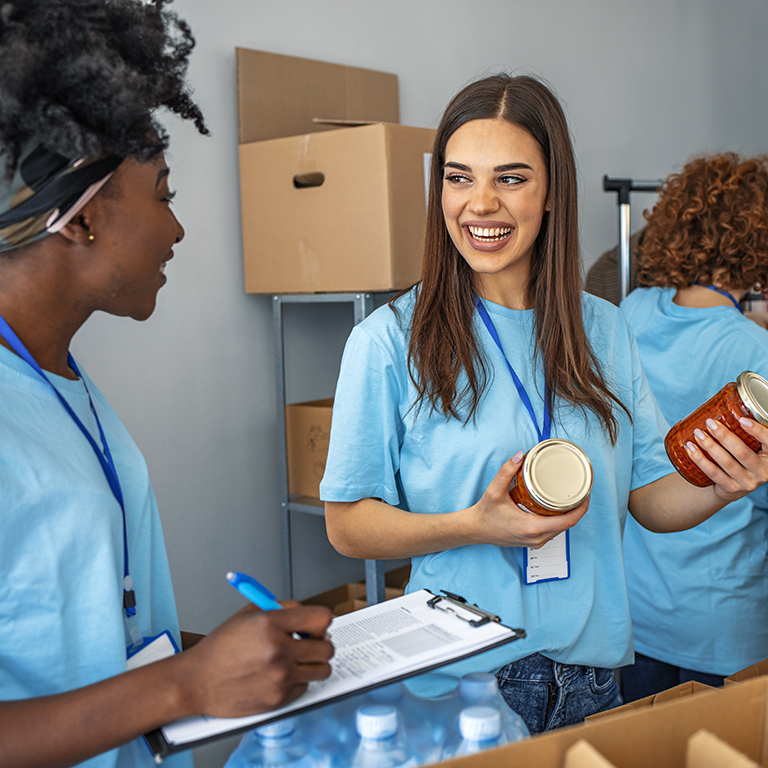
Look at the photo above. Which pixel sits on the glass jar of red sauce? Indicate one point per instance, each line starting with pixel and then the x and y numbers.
pixel 745 397
pixel 555 477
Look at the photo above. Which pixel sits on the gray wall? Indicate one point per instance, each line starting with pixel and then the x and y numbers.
pixel 646 84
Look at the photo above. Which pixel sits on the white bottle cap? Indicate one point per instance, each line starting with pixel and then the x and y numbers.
pixel 376 721
pixel 475 687
pixel 479 723
pixel 278 729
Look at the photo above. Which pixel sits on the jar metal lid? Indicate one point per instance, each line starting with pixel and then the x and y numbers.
pixel 753 391
pixel 557 474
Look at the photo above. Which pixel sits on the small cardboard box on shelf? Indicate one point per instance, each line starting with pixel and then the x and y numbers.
pixel 327 208
pixel 307 431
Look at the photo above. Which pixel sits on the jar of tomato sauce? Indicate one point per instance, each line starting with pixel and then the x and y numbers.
pixel 555 477
pixel 745 397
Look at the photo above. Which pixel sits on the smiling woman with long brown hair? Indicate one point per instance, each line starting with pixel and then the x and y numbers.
pixel 495 350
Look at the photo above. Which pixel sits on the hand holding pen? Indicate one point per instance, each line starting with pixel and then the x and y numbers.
pixel 253 662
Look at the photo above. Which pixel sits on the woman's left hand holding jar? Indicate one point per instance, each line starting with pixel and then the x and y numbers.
pixel 736 469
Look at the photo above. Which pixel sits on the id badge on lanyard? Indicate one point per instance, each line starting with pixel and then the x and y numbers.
pixel 550 562
pixel 107 465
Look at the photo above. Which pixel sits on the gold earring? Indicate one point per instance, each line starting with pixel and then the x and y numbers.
pixel 91 238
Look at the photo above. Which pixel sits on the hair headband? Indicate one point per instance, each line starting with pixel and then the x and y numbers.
pixel 46 192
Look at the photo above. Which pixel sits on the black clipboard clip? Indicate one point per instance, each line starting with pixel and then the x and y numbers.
pixel 447 600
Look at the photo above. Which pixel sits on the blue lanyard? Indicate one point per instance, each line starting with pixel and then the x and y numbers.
pixel 105 457
pixel 546 431
pixel 725 293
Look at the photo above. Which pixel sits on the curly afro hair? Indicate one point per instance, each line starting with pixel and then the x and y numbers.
pixel 710 223
pixel 84 76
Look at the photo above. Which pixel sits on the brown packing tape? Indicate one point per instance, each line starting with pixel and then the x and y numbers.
pixel 705 750
pixel 583 755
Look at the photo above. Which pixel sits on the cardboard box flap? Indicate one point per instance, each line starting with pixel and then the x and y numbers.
pixel 756 670
pixel 280 95
pixel 705 750
pixel 583 755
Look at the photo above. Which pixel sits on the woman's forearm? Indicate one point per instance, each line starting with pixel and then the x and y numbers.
pixel 672 504
pixel 373 530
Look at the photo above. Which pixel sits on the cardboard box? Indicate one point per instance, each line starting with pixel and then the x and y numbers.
pixel 347 598
pixel 671 694
pixel 583 755
pixel 333 209
pixel 756 670
pixel 286 96
pixel 307 432
pixel 705 750
pixel 398 578
pixel 651 736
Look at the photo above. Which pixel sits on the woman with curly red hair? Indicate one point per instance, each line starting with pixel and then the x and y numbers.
pixel 699 598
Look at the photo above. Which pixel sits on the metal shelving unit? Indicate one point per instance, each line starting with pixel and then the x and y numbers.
pixel 363 305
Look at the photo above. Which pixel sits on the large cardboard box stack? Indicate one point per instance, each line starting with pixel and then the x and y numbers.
pixel 324 208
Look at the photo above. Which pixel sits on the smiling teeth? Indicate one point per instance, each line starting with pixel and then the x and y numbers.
pixel 490 234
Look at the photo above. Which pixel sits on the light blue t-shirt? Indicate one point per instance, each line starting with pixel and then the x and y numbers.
pixel 61 546
pixel 699 598
pixel 381 448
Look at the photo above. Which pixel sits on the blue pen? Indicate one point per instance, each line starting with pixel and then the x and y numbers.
pixel 257 593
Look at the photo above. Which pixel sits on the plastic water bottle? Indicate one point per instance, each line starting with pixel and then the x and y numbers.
pixel 481 689
pixel 331 729
pixel 380 745
pixel 275 745
pixel 423 721
pixel 480 729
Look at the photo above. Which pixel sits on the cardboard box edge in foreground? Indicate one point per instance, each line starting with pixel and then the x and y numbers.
pixel 652 736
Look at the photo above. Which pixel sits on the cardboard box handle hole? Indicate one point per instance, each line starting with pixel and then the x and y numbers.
pixel 302 180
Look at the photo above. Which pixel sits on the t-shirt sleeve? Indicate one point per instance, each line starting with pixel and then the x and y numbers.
pixel 366 427
pixel 649 459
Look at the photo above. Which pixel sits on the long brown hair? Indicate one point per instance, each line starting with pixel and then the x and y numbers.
pixel 443 342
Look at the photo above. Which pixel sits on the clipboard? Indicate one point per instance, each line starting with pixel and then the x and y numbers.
pixel 378 645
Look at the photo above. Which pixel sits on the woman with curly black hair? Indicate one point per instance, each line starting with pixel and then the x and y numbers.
pixel 699 598
pixel 85 225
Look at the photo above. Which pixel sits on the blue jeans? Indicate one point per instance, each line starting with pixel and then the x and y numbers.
pixel 648 676
pixel 549 695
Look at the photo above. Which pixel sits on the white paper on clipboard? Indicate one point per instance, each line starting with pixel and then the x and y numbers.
pixel 374 646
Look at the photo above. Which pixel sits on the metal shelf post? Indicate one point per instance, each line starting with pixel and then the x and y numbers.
pixel 363 305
